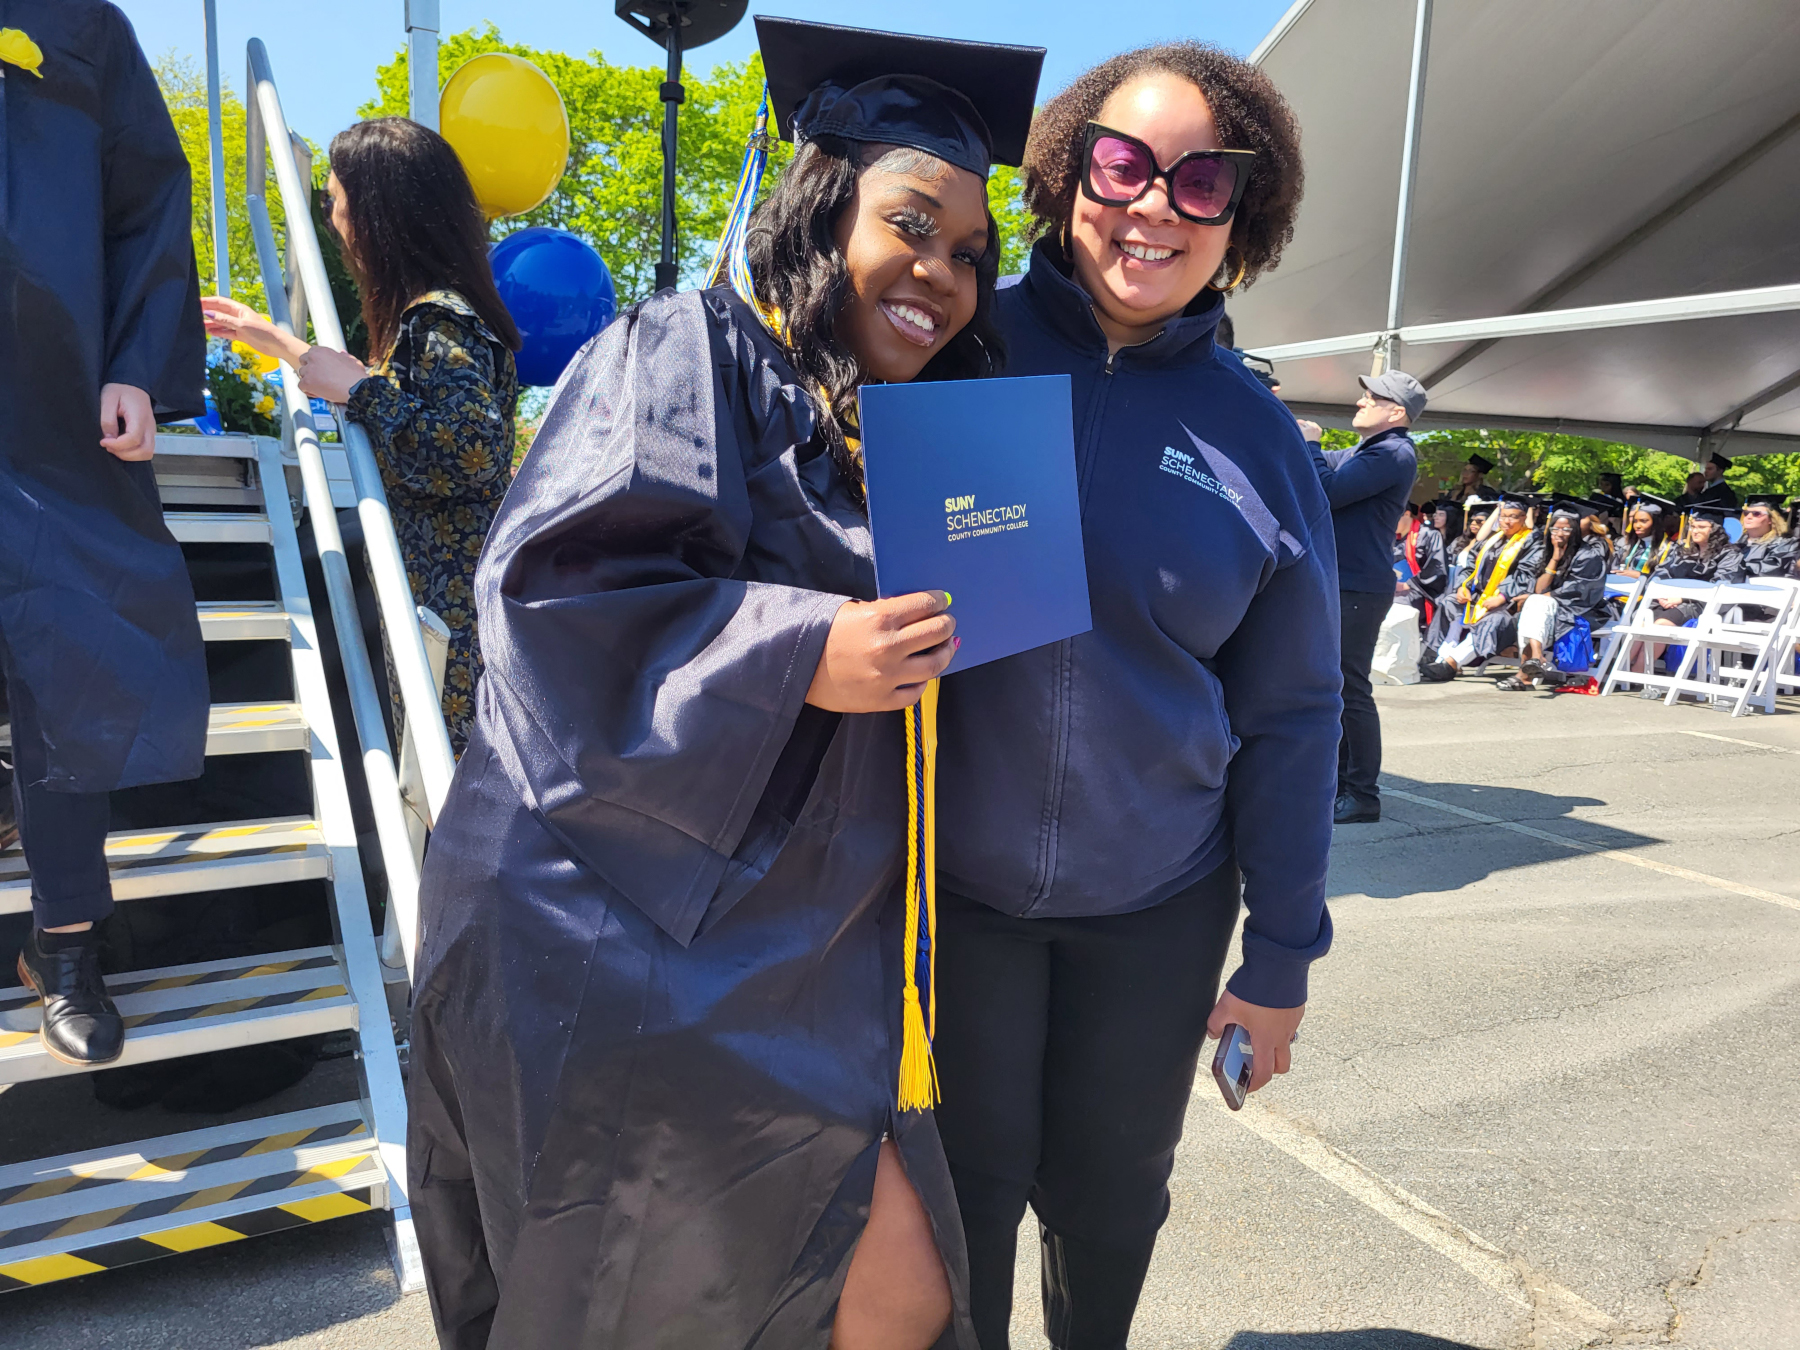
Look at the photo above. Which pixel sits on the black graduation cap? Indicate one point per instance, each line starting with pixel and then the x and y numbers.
pixel 1577 508
pixel 1712 511
pixel 1485 465
pixel 1608 503
pixel 1719 461
pixel 1525 499
pixel 1648 501
pixel 967 103
pixel 1773 500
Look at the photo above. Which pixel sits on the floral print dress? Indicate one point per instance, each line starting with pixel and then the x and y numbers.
pixel 439 413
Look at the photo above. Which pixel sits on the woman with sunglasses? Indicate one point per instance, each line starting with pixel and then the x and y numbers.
pixel 1098 797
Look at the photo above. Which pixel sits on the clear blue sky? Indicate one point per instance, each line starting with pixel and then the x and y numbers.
pixel 325 51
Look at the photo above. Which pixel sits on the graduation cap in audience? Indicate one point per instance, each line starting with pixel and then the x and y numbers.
pixel 967 103
pixel 1718 461
pixel 1482 463
pixel 1655 505
pixel 1523 500
pixel 1773 500
pixel 1713 511
pixel 1576 508
pixel 1613 506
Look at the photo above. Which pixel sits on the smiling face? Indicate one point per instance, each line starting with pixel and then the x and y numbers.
pixel 1143 264
pixel 911 238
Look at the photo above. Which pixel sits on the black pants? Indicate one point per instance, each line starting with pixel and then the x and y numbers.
pixel 1066 1050
pixel 63 833
pixel 1359 748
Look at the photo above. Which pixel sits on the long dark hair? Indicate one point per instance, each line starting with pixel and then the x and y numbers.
pixel 414 227
pixel 797 266
pixel 1247 108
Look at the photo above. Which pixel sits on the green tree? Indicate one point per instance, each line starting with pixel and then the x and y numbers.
pixel 1005 200
pixel 184 90
pixel 611 194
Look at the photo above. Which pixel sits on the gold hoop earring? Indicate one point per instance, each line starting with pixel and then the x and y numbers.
pixel 1231 285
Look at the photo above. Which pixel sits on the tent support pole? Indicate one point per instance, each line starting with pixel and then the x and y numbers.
pixel 215 155
pixel 422 62
pixel 1387 352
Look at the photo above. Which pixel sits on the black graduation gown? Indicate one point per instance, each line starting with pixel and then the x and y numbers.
pixel 1579 591
pixel 1499 629
pixel 97 286
pixel 656 1033
pixel 1684 564
pixel 1770 556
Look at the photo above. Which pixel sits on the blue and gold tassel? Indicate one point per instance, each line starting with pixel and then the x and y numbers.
pixel 918 1074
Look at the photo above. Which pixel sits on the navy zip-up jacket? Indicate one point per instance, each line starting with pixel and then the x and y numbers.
pixel 1199 717
pixel 1367 488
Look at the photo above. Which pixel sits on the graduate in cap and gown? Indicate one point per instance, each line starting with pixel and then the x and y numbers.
pixel 1704 552
pixel 1571 587
pixel 1473 482
pixel 1646 542
pixel 1717 492
pixel 1769 548
pixel 1420 566
pixel 1460 555
pixel 100 339
pixel 667 927
pixel 1506 570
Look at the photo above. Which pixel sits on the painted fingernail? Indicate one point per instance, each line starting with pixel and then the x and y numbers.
pixel 955 644
pixel 947 599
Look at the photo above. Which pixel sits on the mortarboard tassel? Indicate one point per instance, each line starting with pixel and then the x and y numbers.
pixel 918 1074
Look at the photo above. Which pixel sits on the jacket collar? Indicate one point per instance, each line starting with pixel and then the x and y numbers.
pixel 1065 309
pixel 1387 434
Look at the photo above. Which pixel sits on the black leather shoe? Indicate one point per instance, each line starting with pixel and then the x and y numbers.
pixel 1438 672
pixel 81 1025
pixel 1352 810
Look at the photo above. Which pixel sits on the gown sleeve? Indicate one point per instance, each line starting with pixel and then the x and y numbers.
pixel 639 689
pixel 1522 580
pixel 154 336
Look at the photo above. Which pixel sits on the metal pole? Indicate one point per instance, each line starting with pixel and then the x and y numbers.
pixel 215 160
pixel 673 95
pixel 422 62
pixel 1388 352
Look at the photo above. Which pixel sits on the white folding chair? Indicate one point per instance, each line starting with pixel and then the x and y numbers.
pixel 1607 635
pixel 1756 644
pixel 1637 631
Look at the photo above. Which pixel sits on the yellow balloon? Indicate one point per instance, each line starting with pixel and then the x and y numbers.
pixel 506 122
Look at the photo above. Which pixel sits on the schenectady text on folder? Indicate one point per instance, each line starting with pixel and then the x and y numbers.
pixel 972 491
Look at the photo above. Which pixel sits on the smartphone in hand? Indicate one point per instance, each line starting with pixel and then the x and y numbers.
pixel 1232 1065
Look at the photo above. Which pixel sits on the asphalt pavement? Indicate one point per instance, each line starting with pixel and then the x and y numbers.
pixel 1547 1094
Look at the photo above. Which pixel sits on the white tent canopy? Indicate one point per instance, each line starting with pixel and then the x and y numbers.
pixel 1570 156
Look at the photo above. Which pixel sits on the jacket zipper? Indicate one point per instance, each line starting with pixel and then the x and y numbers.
pixel 1063 706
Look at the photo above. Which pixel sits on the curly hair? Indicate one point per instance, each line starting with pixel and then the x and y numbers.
pixel 1249 111
pixel 796 265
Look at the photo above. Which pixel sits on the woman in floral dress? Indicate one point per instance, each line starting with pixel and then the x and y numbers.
pixel 438 405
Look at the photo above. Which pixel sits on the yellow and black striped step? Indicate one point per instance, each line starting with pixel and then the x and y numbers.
pixel 99 1210
pixel 192 1009
pixel 149 863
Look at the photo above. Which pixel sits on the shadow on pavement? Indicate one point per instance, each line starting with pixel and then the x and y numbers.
pixel 1389 859
pixel 1364 1338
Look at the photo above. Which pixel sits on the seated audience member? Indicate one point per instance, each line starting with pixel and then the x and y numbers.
pixel 1714 490
pixel 1572 586
pixel 1419 565
pixel 1696 484
pixel 1769 549
pixel 1707 554
pixel 1447 625
pixel 1645 544
pixel 1611 484
pixel 1446 519
pixel 1473 483
pixel 1506 571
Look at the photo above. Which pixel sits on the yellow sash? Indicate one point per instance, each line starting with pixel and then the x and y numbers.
pixel 1476 609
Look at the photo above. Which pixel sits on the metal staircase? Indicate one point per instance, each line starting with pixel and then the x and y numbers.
pixel 99 1208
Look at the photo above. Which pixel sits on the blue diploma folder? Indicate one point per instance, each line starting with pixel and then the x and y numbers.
pixel 972 491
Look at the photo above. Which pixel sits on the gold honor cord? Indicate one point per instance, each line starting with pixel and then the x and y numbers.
pixel 918 1072
pixel 1477 606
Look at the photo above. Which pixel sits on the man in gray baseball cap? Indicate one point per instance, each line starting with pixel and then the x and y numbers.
pixel 1368 488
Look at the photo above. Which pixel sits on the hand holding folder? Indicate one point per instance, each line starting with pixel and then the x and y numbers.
pixel 972 490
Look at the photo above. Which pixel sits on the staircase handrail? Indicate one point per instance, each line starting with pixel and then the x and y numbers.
pixel 267 139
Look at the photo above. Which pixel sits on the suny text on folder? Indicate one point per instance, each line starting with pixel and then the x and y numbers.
pixel 972 490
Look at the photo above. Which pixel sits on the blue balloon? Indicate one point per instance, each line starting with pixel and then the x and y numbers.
pixel 559 293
